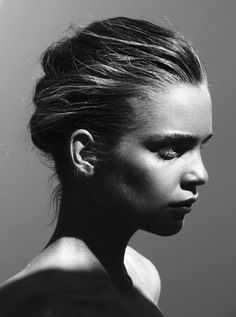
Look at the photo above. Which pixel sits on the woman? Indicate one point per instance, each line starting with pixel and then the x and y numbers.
pixel 123 111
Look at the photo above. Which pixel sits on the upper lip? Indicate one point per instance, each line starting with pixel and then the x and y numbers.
pixel 185 203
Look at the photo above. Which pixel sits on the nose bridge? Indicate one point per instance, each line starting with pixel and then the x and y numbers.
pixel 197 172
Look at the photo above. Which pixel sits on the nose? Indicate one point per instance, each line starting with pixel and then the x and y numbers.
pixel 195 173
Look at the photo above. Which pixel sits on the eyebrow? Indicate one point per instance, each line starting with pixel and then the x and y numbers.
pixel 170 138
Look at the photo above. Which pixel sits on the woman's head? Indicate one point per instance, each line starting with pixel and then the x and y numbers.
pixel 91 77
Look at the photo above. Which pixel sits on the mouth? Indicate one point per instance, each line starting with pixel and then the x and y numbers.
pixel 181 208
pixel 185 203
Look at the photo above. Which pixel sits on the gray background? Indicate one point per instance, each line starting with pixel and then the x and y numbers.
pixel 197 266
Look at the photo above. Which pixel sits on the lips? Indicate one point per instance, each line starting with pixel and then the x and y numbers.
pixel 181 208
pixel 185 203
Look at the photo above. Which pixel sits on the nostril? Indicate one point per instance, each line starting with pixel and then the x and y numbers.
pixel 190 187
pixel 194 178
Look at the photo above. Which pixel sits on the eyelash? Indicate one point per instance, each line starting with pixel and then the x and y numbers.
pixel 203 145
pixel 177 151
pixel 165 153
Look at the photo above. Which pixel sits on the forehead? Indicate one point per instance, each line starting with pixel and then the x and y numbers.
pixel 179 108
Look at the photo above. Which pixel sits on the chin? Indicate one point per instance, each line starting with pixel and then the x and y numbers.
pixel 165 231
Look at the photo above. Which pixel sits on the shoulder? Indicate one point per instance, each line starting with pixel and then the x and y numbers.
pixel 21 295
pixel 51 272
pixel 146 274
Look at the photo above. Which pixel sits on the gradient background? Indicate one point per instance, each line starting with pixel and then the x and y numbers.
pixel 197 266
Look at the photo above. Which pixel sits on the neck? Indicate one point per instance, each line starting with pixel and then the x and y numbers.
pixel 104 234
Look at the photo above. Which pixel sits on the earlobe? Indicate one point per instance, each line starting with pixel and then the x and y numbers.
pixel 80 140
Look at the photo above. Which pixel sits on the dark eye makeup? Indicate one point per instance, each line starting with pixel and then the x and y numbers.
pixel 170 146
pixel 171 152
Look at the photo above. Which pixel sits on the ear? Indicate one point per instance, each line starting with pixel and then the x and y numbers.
pixel 79 141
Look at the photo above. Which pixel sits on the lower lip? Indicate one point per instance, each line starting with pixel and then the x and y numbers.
pixel 178 213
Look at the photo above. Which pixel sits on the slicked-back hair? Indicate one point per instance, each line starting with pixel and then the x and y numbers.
pixel 90 76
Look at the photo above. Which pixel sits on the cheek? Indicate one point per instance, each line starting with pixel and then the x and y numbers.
pixel 149 178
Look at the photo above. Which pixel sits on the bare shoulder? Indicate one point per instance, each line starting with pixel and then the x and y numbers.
pixel 144 273
pixel 54 269
pixel 19 295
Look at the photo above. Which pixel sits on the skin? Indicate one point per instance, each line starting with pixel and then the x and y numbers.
pixel 148 176
pixel 142 182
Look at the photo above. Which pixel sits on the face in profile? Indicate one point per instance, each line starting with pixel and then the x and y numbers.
pixel 153 180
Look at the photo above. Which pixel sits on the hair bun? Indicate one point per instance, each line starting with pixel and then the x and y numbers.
pixel 58 58
pixel 40 138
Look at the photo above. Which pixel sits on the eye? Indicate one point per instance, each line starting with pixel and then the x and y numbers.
pixel 170 152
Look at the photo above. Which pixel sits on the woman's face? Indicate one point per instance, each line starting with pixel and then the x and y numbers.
pixel 153 180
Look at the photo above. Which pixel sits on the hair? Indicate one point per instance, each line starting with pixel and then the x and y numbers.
pixel 90 76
